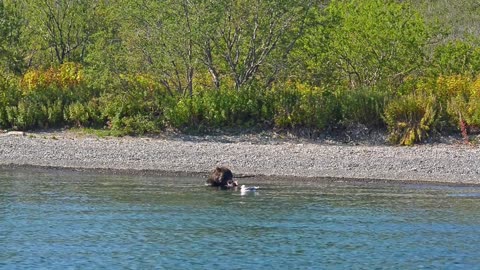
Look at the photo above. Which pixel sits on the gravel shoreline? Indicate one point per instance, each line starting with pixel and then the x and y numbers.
pixel 255 155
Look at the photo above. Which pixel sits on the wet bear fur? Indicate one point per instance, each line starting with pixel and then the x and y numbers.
pixel 221 177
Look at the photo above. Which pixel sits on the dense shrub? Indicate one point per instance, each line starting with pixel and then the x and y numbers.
pixel 410 118
pixel 363 105
pixel 65 82
pixel 298 105
pixel 40 98
pixel 129 112
pixel 9 96
pixel 287 106
pixel 473 110
pixel 462 96
pixel 217 108
pixel 363 43
pixel 136 105
pixel 456 57
pixel 78 114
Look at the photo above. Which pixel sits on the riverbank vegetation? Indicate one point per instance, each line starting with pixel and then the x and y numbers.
pixel 136 67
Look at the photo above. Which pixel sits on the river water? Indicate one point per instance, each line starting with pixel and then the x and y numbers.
pixel 72 220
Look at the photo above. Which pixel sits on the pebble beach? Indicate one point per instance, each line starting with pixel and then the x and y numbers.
pixel 244 155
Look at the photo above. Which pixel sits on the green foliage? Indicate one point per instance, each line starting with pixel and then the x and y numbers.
pixel 21 116
pixel 42 98
pixel 135 67
pixel 9 95
pixel 287 106
pixel 473 110
pixel 59 29
pixel 410 118
pixel 209 109
pixel 179 115
pixel 255 38
pixel 299 105
pixel 29 114
pixel 127 112
pixel 11 49
pixel 363 105
pixel 457 57
pixel 137 105
pixel 137 124
pixel 78 114
pixel 53 113
pixel 364 42
pixel 462 96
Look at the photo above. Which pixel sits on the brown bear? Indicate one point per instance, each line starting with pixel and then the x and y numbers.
pixel 221 177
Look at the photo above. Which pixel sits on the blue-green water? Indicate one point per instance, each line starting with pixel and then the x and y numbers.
pixel 60 220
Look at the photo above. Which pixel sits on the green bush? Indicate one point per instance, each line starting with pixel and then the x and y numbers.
pixel 474 111
pixel 127 112
pixel 456 57
pixel 78 114
pixel 212 108
pixel 138 124
pixel 53 112
pixel 249 107
pixel 28 114
pixel 460 95
pixel 410 118
pixel 42 98
pixel 22 116
pixel 363 105
pixel 362 43
pixel 178 115
pixel 299 105
pixel 9 96
pixel 456 99
pixel 137 104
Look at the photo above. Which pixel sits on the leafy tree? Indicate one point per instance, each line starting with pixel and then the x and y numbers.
pixel 107 56
pixel 251 38
pixel 364 43
pixel 162 38
pixel 59 30
pixel 456 57
pixel 11 21
pixel 233 41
